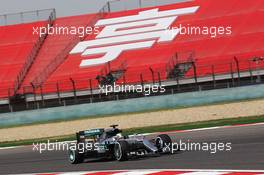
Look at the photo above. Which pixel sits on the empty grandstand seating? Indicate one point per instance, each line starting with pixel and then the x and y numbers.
pixel 19 33
pixel 55 44
pixel 244 42
pixel 16 44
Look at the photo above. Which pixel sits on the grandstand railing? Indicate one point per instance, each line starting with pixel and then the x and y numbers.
pixel 121 5
pixel 25 17
pixel 51 67
pixel 20 77
pixel 209 71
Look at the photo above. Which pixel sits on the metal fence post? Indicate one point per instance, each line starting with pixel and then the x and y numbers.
pixel 21 17
pixel 194 72
pixel 108 6
pixel 142 83
pixel 37 14
pixel 232 74
pixel 200 88
pixel 58 92
pixel 54 14
pixel 91 90
pixel 213 75
pixel 74 90
pixel 251 75
pixel 5 19
pixel 152 74
pixel 42 97
pixel 9 99
pixel 34 92
pixel 124 79
pixel 124 84
pixel 238 69
pixel 141 79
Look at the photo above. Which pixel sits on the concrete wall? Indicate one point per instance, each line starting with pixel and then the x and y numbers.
pixel 132 105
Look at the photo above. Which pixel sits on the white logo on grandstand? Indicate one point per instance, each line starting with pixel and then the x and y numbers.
pixel 130 33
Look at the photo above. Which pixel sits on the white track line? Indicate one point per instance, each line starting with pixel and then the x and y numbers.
pixel 205 173
pixel 150 171
pixel 75 173
pixel 137 172
pixel 208 170
pixel 11 147
pixel 212 128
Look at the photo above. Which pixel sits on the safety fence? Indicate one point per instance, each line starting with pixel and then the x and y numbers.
pixel 148 75
pixel 110 6
pixel 43 101
pixel 173 71
pixel 26 17
pixel 121 5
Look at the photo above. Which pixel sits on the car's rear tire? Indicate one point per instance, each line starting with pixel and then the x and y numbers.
pixel 121 150
pixel 163 143
pixel 75 157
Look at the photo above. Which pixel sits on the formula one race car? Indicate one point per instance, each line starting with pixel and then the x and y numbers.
pixel 109 143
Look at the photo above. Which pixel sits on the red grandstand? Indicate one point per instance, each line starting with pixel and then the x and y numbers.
pixel 30 64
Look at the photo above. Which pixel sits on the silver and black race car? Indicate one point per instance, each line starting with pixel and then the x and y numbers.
pixel 109 143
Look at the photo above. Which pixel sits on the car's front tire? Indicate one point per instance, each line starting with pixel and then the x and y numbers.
pixel 75 157
pixel 163 143
pixel 121 150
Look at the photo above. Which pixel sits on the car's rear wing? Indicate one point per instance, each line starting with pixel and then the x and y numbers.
pixel 81 135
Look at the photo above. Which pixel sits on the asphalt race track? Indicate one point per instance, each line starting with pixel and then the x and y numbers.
pixel 247 154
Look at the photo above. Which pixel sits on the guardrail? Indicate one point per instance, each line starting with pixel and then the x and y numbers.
pixel 121 5
pixel 209 71
pixel 24 17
